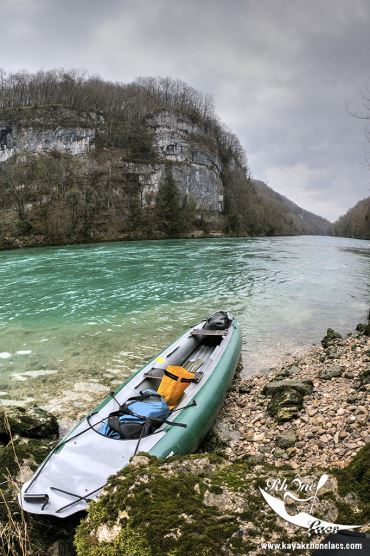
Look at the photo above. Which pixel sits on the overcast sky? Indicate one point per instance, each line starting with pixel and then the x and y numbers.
pixel 280 73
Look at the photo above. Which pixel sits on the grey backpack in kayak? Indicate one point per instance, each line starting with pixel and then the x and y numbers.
pixel 139 416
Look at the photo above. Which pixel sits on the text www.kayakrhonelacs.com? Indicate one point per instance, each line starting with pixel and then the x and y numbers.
pixel 310 546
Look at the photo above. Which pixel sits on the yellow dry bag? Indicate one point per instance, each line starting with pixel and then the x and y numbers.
pixel 174 383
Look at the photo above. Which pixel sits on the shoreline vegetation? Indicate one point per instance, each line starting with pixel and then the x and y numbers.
pixel 196 235
pixel 306 417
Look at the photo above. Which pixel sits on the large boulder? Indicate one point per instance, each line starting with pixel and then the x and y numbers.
pixel 355 478
pixel 330 337
pixel 31 422
pixel 304 387
pixel 200 504
pixel 194 505
pixel 285 404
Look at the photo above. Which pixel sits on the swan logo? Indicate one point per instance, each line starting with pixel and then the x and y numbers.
pixel 304 519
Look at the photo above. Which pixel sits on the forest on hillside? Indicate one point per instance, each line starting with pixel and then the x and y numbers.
pixel 56 197
pixel 356 222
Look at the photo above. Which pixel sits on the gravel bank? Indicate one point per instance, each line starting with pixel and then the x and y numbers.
pixel 332 423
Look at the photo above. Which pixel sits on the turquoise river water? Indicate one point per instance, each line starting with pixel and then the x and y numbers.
pixel 87 310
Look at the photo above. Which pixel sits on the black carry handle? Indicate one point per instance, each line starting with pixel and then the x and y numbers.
pixel 37 499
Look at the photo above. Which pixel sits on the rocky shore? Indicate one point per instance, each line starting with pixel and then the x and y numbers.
pixel 313 411
pixel 308 417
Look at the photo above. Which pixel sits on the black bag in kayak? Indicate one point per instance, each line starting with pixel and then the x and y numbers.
pixel 138 417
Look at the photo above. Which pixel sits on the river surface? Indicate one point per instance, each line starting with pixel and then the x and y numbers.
pixel 88 311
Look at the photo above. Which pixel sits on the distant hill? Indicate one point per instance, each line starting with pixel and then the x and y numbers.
pixel 356 222
pixel 292 216
pixel 83 159
pixel 259 210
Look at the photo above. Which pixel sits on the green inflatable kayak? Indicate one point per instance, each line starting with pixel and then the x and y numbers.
pixel 135 418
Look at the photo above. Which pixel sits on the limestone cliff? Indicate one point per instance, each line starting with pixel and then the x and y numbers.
pixel 196 169
pixel 15 139
pixel 86 160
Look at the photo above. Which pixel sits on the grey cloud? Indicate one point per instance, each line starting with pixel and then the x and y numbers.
pixel 280 72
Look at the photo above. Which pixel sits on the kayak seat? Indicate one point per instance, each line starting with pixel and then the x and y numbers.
pixel 204 332
pixel 209 337
pixel 159 373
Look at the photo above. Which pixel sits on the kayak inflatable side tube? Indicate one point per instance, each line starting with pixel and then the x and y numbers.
pixel 200 418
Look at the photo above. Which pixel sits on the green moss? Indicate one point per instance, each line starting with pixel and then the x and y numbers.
pixel 128 541
pixel 355 478
pixel 164 503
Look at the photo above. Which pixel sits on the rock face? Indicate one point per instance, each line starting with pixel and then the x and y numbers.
pixel 196 168
pixel 74 141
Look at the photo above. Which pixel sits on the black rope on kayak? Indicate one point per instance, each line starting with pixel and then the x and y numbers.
pixel 148 422
pixel 91 427
pixel 79 498
pixel 63 442
pixel 112 395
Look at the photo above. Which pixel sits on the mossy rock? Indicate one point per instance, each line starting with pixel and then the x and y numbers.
pixel 30 422
pixel 17 455
pixel 285 404
pixel 355 478
pixel 305 387
pixel 198 505
pixel 363 328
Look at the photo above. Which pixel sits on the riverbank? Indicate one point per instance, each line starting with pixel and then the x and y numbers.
pixel 305 418
pixel 298 422
pixel 326 392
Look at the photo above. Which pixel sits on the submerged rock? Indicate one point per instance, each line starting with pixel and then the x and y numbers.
pixel 285 404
